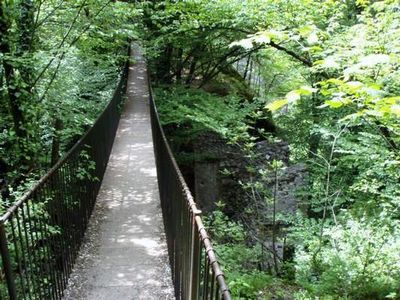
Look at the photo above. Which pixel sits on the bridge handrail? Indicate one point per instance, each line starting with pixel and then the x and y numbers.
pixel 187 238
pixel 40 233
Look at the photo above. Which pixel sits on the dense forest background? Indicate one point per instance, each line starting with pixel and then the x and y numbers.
pixel 60 62
pixel 322 77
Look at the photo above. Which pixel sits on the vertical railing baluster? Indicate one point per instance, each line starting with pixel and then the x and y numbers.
pixel 63 185
pixel 69 203
pixel 6 259
pixel 192 279
pixel 206 275
pixel 23 251
pixel 45 241
pixel 28 250
pixel 39 250
pixel 35 253
pixel 17 256
pixel 196 258
pixel 212 283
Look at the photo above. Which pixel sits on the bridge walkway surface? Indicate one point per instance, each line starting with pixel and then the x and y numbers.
pixel 124 253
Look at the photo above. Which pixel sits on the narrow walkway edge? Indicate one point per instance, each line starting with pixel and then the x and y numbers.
pixel 124 254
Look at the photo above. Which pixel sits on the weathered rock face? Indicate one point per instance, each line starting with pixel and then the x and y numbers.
pixel 213 157
pixel 273 151
pixel 206 183
pixel 220 172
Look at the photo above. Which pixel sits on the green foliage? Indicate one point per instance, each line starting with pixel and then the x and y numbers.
pixel 248 286
pixel 355 259
pixel 86 167
pixel 329 72
pixel 240 260
pixel 191 112
pixel 331 76
pixel 59 62
pixel 348 134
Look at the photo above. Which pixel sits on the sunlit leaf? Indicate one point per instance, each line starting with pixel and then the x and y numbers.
pixel 395 109
pixel 374 59
pixel 307 90
pixel 293 96
pixel 312 38
pixel 327 63
pixel 334 103
pixel 245 43
pixel 276 105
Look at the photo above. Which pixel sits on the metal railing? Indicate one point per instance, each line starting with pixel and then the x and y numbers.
pixel 196 273
pixel 41 233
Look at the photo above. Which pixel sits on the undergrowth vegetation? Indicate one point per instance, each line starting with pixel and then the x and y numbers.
pixel 322 76
pixel 59 64
pixel 326 75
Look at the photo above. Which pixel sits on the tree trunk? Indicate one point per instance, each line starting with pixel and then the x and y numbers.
pixel 55 147
pixel 18 78
pixel 274 225
pixel 179 66
pixel 192 69
pixel 26 36
pixel 247 67
pixel 13 91
pixel 164 65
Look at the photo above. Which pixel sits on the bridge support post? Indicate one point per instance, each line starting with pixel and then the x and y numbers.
pixel 5 256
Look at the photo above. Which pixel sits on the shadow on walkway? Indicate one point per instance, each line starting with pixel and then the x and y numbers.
pixel 124 254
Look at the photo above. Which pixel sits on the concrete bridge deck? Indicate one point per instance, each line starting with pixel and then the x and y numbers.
pixel 124 254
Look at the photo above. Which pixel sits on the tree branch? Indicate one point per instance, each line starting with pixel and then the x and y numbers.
pixel 305 61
